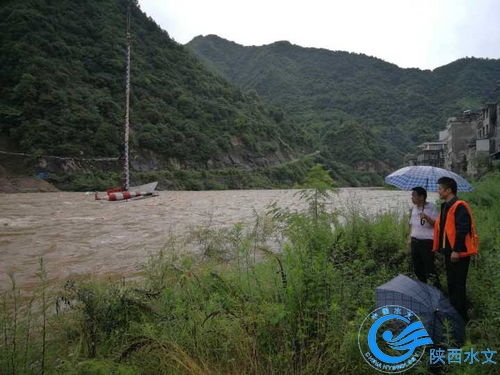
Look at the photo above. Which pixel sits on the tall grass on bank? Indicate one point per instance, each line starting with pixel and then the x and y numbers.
pixel 484 280
pixel 245 307
pixel 23 327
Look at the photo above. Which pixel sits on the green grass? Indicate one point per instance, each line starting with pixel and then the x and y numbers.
pixel 241 307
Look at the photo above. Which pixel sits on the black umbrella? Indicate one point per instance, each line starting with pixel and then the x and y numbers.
pixel 425 301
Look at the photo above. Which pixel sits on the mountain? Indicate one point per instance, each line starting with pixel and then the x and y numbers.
pixel 241 117
pixel 62 78
pixel 348 101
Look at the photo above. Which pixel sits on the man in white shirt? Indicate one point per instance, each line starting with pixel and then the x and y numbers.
pixel 422 217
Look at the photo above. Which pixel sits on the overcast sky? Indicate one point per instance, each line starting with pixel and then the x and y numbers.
pixel 410 33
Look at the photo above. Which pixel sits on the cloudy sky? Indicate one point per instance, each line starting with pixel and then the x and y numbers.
pixel 410 33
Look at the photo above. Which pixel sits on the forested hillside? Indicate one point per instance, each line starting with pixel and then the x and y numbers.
pixel 62 79
pixel 384 104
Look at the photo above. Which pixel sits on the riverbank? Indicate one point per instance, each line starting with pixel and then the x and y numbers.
pixel 11 185
pixel 238 306
pixel 78 235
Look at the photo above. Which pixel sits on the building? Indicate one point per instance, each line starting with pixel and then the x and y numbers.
pixel 431 153
pixel 460 132
pixel 468 144
pixel 486 145
pixel 488 132
pixel 495 135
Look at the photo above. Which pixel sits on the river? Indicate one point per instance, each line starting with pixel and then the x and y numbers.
pixel 77 235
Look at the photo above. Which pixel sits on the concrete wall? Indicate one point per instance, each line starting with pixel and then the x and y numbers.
pixel 495 133
pixel 461 133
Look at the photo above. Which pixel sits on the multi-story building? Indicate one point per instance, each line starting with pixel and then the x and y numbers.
pixel 488 129
pixel 459 133
pixel 495 135
pixel 431 153
pixel 485 147
pixel 467 145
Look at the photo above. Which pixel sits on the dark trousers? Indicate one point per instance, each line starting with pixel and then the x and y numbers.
pixel 456 274
pixel 423 260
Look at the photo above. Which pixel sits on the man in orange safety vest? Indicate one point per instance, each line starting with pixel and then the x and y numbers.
pixel 456 238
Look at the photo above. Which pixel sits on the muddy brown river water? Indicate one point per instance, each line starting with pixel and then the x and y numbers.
pixel 77 235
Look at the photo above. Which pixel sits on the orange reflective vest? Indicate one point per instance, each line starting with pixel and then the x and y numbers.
pixel 471 239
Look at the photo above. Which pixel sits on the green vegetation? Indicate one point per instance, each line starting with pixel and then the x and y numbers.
pixel 62 68
pixel 318 188
pixel 242 307
pixel 354 107
pixel 280 176
pixel 484 282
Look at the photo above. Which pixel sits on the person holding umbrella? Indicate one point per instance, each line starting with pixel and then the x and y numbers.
pixel 456 238
pixel 422 217
pixel 454 230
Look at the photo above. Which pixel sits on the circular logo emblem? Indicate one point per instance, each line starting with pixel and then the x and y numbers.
pixel 392 339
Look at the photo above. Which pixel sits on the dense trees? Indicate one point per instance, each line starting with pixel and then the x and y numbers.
pixel 320 89
pixel 62 68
